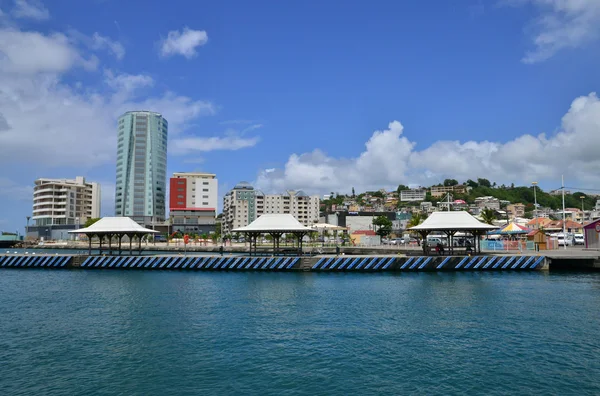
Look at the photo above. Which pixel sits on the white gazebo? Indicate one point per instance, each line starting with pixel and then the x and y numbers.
pixel 275 225
pixel 114 226
pixel 452 222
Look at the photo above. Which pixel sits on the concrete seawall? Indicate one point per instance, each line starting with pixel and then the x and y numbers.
pixel 245 263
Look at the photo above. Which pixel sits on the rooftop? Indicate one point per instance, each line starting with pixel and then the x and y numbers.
pixel 455 220
pixel 274 223
pixel 114 225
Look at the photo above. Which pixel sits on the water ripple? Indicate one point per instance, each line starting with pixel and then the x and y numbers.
pixel 143 333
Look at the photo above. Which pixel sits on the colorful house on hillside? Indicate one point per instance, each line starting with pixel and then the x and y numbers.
pixel 539 222
pixel 592 235
pixel 557 226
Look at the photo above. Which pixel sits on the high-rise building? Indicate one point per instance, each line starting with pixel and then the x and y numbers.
pixel 239 207
pixel 243 204
pixel 193 202
pixel 61 205
pixel 141 167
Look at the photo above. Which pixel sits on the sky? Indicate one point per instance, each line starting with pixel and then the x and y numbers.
pixel 314 95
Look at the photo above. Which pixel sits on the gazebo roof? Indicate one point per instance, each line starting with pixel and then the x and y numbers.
pixel 274 223
pixel 452 221
pixel 114 225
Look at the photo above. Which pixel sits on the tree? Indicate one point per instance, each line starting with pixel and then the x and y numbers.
pixel 383 226
pixel 402 187
pixel 91 221
pixel 488 216
pixel 416 219
pixel 484 182
pixel 450 182
pixel 471 183
pixel 353 193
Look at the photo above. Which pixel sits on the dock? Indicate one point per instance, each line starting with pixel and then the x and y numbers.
pixel 279 263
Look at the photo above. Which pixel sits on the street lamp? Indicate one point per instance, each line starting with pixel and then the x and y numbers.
pixel 582 210
pixel 535 203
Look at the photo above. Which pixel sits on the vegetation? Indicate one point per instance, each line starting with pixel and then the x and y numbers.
pixel 91 221
pixel 524 195
pixel 383 226
pixel 488 216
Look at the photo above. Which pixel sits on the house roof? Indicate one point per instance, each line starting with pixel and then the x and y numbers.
pixel 114 225
pixel 274 223
pixel 455 220
pixel 558 225
pixel 539 220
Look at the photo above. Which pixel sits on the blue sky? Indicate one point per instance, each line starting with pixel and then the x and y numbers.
pixel 318 95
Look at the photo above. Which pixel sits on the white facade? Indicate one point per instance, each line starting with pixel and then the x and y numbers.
pixel 65 201
pixel 242 205
pixel 303 207
pixel 413 195
pixel 201 190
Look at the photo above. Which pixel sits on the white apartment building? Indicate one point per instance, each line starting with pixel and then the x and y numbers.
pixel 60 205
pixel 243 204
pixel 413 195
pixel 303 207
pixel 193 202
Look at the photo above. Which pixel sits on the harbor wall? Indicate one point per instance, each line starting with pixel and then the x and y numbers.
pixel 246 263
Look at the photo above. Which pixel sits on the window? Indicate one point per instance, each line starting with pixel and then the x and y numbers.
pixel 205 203
pixel 205 189
pixel 180 196
pixel 205 183
pixel 205 196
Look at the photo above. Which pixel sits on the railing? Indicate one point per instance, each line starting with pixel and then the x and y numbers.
pixel 520 245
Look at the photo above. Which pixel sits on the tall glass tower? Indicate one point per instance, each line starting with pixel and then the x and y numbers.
pixel 141 167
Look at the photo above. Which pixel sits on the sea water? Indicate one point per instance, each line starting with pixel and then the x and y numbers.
pixel 202 333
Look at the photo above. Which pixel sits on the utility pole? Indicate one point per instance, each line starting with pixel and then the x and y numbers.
pixel 535 203
pixel 564 214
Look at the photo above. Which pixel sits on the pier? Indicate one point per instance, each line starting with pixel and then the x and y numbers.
pixel 280 263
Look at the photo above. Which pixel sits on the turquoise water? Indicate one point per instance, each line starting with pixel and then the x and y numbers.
pixel 148 333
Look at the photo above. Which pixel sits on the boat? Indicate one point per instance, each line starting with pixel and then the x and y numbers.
pixel 9 240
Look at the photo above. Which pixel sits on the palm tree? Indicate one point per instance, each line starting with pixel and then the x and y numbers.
pixel 416 219
pixel 488 216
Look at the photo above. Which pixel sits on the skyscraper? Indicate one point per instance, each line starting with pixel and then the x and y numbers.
pixel 141 167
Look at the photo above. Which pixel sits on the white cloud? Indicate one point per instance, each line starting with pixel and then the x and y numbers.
pixel 101 42
pixel 562 24
pixel 32 53
pixel 389 159
pixel 183 43
pixel 47 121
pixel 30 9
pixel 188 145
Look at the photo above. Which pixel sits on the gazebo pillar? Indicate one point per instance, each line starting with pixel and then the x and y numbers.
pixel 90 245
pixel 139 245
pixel 130 236
pixel 100 238
pixel 120 236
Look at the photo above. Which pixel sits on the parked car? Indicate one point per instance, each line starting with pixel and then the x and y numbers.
pixel 565 240
pixel 579 240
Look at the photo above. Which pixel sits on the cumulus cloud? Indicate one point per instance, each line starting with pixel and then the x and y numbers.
pixel 561 24
pixel 183 43
pixel 51 122
pixel 30 9
pixel 389 159
pixel 30 53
